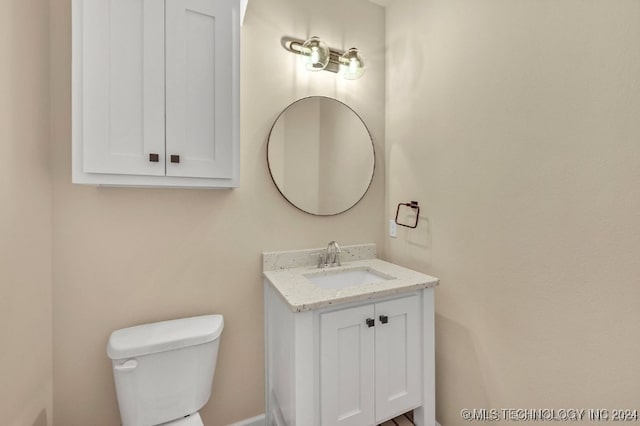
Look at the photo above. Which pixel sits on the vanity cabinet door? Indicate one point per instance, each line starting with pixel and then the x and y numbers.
pixel 119 45
pixel 398 370
pixel 347 367
pixel 202 48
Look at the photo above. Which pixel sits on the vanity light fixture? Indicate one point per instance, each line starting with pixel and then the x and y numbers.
pixel 319 57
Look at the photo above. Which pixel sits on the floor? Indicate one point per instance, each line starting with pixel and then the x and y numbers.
pixel 403 420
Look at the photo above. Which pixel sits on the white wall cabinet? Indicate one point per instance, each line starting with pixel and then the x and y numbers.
pixel 156 92
pixel 356 365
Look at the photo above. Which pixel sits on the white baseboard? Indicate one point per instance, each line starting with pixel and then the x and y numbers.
pixel 253 421
pixel 260 421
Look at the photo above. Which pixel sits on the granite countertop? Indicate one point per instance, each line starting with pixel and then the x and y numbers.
pixel 303 295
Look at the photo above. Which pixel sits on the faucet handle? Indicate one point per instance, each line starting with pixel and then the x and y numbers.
pixel 322 258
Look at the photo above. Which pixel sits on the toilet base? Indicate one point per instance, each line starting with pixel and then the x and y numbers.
pixel 192 420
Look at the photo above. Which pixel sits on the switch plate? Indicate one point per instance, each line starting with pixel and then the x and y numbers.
pixel 393 229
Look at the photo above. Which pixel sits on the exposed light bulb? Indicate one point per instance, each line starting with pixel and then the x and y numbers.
pixel 315 56
pixel 353 66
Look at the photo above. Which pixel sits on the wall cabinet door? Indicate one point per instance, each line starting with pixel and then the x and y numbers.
pixel 122 84
pixel 346 367
pixel 199 87
pixel 370 374
pixel 398 353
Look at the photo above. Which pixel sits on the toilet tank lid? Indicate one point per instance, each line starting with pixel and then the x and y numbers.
pixel 164 336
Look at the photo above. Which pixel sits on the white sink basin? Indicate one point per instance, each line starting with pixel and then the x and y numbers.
pixel 346 278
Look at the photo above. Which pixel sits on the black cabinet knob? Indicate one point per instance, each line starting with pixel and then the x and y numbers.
pixel 384 319
pixel 175 159
pixel 154 158
pixel 371 322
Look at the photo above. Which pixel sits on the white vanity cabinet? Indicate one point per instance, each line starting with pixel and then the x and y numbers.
pixel 370 362
pixel 156 92
pixel 354 364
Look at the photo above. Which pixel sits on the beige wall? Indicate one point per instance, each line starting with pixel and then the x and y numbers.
pixel 129 256
pixel 515 124
pixel 25 215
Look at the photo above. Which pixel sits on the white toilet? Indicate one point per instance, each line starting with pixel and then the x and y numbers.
pixel 164 371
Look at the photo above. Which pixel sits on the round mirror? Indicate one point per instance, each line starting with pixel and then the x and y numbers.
pixel 321 156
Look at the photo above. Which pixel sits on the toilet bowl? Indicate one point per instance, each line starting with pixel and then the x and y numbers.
pixel 164 371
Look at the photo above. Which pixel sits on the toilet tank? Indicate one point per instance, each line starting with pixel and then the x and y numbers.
pixel 164 371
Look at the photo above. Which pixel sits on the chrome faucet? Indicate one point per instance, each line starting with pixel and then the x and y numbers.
pixel 333 254
pixel 329 257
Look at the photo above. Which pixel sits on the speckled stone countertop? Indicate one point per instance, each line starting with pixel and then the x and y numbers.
pixel 288 278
